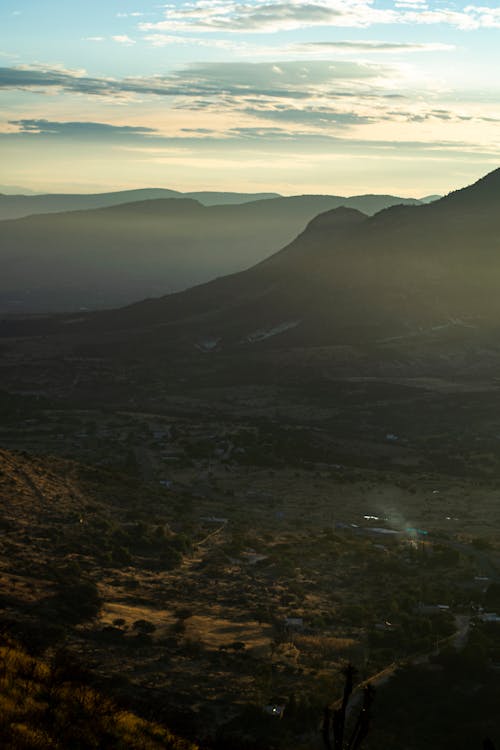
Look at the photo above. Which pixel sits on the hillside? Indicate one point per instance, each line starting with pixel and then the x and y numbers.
pixel 169 599
pixel 45 706
pixel 116 255
pixel 171 602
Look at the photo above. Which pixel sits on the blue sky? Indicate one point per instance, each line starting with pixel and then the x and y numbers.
pixel 327 96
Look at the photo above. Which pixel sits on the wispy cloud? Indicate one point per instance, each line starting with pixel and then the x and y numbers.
pixel 151 143
pixel 90 130
pixel 123 39
pixel 288 51
pixel 267 16
pixel 313 116
pixel 292 79
pixel 298 100
pixel 168 40
pixel 412 4
pixel 360 47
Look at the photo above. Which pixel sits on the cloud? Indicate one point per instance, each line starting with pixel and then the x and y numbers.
pixel 301 143
pixel 287 99
pixel 289 51
pixel 292 79
pixel 267 16
pixel 284 77
pixel 413 4
pixel 445 115
pixel 353 47
pixel 167 40
pixel 315 116
pixel 79 130
pixel 123 39
pixel 93 39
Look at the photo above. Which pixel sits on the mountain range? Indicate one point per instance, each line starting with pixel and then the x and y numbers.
pixel 16 206
pixel 114 255
pixel 347 278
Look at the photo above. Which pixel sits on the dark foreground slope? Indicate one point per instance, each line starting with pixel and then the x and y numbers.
pixel 113 256
pixel 46 706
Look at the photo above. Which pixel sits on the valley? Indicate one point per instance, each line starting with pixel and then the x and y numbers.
pixel 215 500
pixel 350 509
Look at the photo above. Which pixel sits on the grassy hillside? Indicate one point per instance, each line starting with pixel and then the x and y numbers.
pixel 43 706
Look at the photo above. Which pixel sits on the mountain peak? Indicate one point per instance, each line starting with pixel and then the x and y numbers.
pixel 486 188
pixel 337 217
pixel 492 178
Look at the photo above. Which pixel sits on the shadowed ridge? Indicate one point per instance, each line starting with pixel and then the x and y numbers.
pixel 485 189
pixel 337 217
pixel 319 237
pixel 155 207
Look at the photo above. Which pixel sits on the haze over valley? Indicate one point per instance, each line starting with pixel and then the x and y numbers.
pixel 124 251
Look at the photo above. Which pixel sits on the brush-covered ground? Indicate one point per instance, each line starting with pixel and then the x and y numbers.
pixel 214 541
pixel 230 586
pixel 46 705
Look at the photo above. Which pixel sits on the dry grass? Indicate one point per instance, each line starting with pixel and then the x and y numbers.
pixel 214 632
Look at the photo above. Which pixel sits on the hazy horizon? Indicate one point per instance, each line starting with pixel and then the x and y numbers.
pixel 9 190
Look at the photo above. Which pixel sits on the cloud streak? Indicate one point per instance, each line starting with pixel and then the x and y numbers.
pixel 123 39
pixel 268 16
pixel 360 47
pixel 153 142
pixel 79 130
pixel 292 79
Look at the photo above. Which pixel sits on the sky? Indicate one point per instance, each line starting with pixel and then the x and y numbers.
pixel 296 96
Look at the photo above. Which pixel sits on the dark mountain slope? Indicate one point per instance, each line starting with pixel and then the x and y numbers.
pixel 349 278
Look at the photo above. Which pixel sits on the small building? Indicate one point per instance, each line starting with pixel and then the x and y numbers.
pixel 490 617
pixel 429 609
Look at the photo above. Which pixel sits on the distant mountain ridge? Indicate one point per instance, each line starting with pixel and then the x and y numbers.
pixel 18 206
